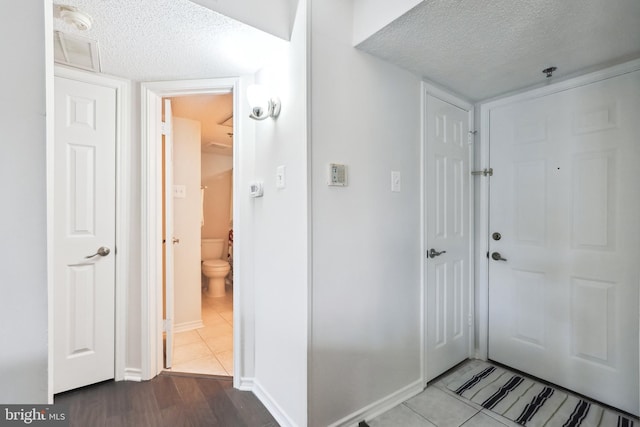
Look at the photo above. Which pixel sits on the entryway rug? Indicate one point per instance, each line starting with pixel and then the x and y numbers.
pixel 531 403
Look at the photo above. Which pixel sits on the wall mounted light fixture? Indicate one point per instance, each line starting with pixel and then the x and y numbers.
pixel 262 105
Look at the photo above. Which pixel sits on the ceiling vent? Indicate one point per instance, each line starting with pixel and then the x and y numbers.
pixel 76 51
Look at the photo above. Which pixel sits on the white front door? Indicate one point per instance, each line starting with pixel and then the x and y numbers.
pixel 565 268
pixel 447 236
pixel 84 233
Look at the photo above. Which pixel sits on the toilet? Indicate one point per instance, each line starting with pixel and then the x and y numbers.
pixel 214 268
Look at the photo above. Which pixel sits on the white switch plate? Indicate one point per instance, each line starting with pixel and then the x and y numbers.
pixel 281 177
pixel 396 181
pixel 179 191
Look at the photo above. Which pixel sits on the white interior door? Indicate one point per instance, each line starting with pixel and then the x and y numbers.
pixel 84 234
pixel 169 238
pixel 447 236
pixel 563 300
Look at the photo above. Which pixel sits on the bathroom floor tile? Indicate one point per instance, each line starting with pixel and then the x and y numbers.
pixel 216 330
pixel 188 337
pixel 186 352
pixel 220 344
pixel 226 359
pixel 206 365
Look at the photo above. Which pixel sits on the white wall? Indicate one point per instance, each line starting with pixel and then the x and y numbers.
pixel 370 16
pixel 365 338
pixel 23 218
pixel 280 246
pixel 187 215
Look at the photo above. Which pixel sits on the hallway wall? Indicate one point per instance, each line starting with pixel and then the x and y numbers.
pixel 365 113
pixel 23 246
pixel 280 235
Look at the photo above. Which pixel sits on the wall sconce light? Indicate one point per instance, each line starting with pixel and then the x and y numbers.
pixel 262 105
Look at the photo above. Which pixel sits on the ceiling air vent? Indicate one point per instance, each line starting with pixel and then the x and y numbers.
pixel 76 51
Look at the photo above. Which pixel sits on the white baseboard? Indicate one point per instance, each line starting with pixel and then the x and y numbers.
pixel 276 411
pixel 381 406
pixel 246 384
pixel 187 326
pixel 133 374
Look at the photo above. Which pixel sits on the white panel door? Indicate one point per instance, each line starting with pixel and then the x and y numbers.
pixel 84 233
pixel 563 300
pixel 169 237
pixel 447 233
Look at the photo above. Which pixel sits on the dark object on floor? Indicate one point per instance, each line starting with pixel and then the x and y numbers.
pixel 176 400
pixel 363 424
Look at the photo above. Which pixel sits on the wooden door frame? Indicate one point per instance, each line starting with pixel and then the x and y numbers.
pixel 427 90
pixel 123 181
pixel 151 223
pixel 482 237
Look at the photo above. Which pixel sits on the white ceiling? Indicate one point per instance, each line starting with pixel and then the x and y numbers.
pixel 483 48
pixel 147 40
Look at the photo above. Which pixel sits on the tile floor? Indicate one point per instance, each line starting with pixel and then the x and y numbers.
pixel 208 350
pixel 440 407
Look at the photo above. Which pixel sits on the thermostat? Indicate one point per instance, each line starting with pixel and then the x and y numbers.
pixel 256 189
pixel 337 175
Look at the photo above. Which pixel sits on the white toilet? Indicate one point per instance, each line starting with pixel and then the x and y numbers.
pixel 214 267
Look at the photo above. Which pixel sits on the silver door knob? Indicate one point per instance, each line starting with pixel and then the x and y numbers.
pixel 496 256
pixel 433 253
pixel 102 251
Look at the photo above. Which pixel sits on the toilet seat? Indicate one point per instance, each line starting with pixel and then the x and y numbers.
pixel 216 266
pixel 215 263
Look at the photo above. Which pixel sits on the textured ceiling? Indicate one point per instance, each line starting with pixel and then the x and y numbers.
pixel 146 40
pixel 484 48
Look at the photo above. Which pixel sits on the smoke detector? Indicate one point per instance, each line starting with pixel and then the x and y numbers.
pixel 72 16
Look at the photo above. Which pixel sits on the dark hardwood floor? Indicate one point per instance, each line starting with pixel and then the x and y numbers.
pixel 170 399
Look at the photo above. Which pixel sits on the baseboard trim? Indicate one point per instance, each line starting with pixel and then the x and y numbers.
pixel 187 326
pixel 133 374
pixel 246 384
pixel 276 411
pixel 381 406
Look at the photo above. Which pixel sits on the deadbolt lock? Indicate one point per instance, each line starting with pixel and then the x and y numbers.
pixel 496 236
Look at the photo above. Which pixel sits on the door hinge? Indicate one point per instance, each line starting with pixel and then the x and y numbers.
pixel 163 127
pixel 471 135
pixel 165 325
pixel 483 172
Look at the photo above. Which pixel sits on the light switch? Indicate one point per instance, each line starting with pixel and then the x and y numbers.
pixel 179 191
pixel 281 178
pixel 396 180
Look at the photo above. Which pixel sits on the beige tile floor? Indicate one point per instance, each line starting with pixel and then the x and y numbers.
pixel 208 350
pixel 438 406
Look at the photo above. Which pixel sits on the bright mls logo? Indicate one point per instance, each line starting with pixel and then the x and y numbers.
pixel 36 415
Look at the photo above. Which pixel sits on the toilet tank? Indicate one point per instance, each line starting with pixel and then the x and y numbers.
pixel 211 248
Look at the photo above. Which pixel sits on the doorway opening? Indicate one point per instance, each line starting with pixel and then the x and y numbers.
pixel 202 234
pixel 155 327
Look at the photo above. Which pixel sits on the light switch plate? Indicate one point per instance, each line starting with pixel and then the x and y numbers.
pixel 281 177
pixel 396 181
pixel 179 191
pixel 256 189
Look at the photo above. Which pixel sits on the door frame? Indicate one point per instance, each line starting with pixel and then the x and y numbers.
pixel 427 89
pixel 151 223
pixel 482 261
pixel 122 208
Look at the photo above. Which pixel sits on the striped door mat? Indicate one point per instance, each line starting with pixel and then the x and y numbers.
pixel 530 403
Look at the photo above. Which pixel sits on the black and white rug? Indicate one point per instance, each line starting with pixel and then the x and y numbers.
pixel 528 402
